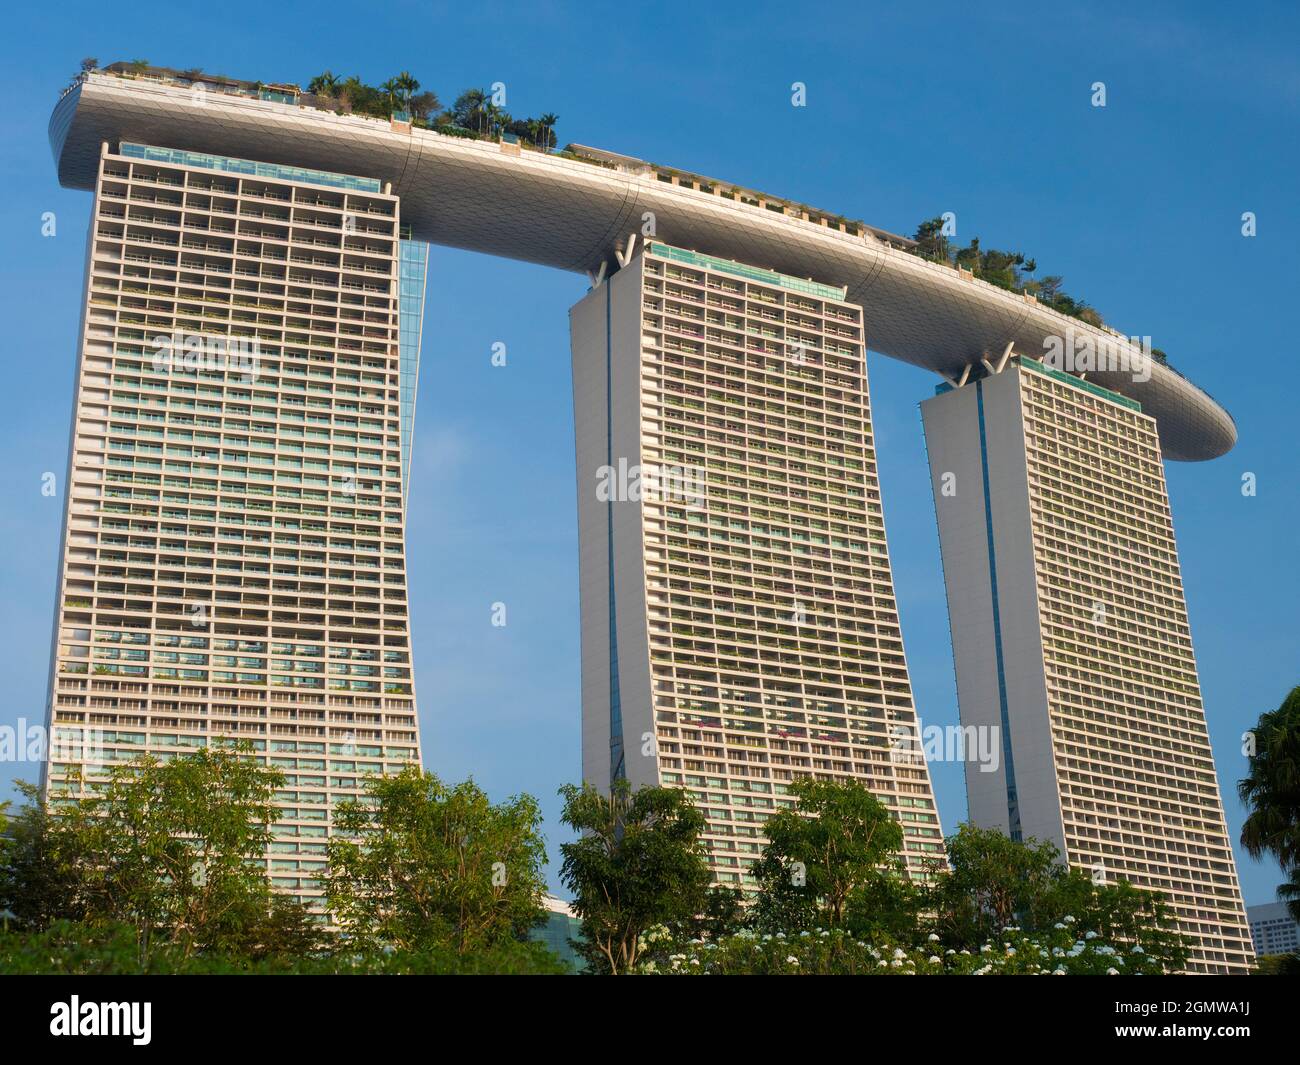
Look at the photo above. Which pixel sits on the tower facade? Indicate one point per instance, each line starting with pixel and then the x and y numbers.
pixel 233 557
pixel 1071 641
pixel 739 628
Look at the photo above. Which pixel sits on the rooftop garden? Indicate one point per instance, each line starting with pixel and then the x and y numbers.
pixel 1011 270
pixel 476 114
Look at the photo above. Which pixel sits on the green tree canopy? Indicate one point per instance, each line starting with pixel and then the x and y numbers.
pixel 838 839
pixel 992 883
pixel 421 864
pixel 169 849
pixel 1271 790
pixel 638 862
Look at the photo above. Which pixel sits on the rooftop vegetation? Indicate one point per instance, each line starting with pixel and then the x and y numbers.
pixel 475 114
pixel 1011 270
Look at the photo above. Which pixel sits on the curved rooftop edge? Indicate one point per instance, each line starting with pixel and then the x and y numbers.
pixel 571 214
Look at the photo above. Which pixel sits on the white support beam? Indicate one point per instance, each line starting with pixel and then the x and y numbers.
pixel 625 256
pixel 1002 362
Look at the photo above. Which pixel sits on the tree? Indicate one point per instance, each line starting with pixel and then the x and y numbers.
pixel 41 874
pixel 176 842
pixel 547 130
pixel 407 86
pixel 993 881
pixel 969 256
pixel 392 89
pixel 424 104
pixel 1271 790
pixel 88 64
pixel 270 926
pixel 839 838
pixel 930 240
pixel 324 84
pixel 170 849
pixel 637 863
pixel 421 865
pixel 1049 288
pixel 887 905
pixel 469 109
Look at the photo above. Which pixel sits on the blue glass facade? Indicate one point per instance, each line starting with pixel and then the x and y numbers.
pixel 413 268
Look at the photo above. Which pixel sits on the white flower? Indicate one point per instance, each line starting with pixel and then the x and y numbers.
pixel 1058 972
pixel 899 953
pixel 1068 919
pixel 1089 935
pixel 1137 950
pixel 933 959
pixel 1112 972
pixel 1058 925
pixel 792 959
pixel 932 938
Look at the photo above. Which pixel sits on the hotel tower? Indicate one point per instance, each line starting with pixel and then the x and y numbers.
pixel 233 561
pixel 739 627
pixel 1071 641
pixel 233 564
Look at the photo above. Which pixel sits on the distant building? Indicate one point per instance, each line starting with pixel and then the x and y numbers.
pixel 1273 929
pixel 560 927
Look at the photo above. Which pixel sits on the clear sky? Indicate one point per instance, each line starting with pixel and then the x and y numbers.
pixel 912 110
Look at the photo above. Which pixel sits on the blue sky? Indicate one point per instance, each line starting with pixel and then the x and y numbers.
pixel 910 113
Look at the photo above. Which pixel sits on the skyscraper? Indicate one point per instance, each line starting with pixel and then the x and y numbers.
pixel 1071 640
pixel 739 622
pixel 233 564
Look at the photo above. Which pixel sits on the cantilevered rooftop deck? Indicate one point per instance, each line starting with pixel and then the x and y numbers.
pixel 572 211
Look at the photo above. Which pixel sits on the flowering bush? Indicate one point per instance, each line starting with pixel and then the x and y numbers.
pixel 1059 951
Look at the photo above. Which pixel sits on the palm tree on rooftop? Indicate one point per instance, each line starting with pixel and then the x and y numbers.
pixel 407 85
pixel 392 88
pixel 469 108
pixel 323 84
pixel 548 121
